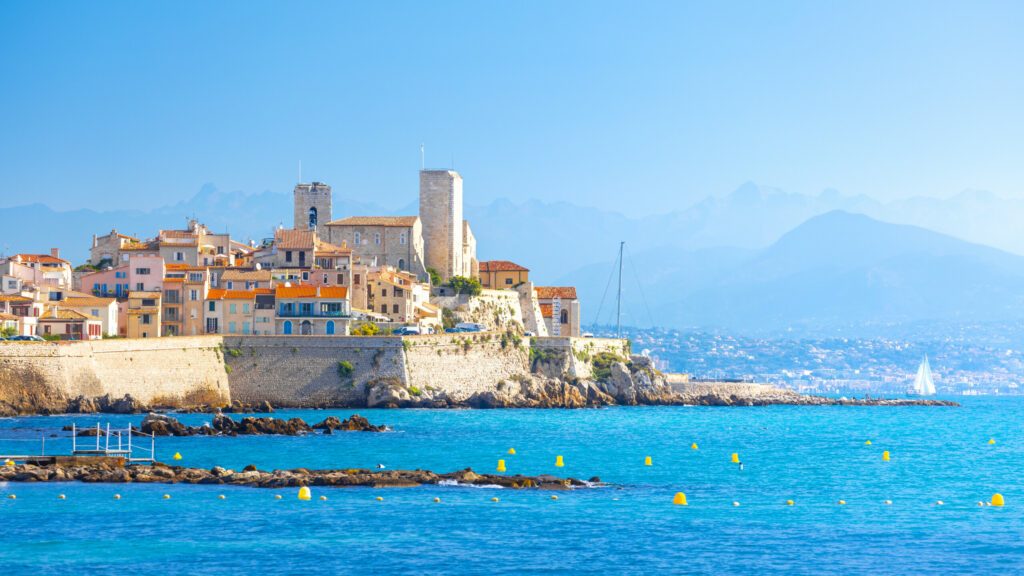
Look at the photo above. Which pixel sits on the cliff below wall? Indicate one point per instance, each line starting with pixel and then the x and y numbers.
pixel 47 377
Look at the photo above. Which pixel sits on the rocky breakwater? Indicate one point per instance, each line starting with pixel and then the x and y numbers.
pixel 113 473
pixel 163 425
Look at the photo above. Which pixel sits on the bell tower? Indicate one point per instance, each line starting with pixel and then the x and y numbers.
pixel 313 207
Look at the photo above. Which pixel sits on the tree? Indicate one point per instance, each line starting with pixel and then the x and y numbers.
pixel 366 329
pixel 435 278
pixel 463 285
pixel 8 331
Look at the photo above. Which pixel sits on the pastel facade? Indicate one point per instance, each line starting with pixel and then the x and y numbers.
pixel 103 309
pixel 67 324
pixel 397 296
pixel 234 312
pixel 23 270
pixel 312 310
pixel 106 250
pixel 143 314
pixel 560 308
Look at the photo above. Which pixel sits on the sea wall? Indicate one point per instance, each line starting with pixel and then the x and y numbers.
pixel 39 376
pixel 562 356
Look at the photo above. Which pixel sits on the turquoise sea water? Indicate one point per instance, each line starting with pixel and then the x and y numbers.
pixel 813 455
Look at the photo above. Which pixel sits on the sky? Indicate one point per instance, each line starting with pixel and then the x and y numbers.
pixel 640 107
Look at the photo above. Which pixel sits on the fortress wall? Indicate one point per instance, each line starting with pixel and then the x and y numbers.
pixel 461 365
pixel 178 371
pixel 572 357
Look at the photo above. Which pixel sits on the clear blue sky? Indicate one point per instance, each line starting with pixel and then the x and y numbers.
pixel 641 106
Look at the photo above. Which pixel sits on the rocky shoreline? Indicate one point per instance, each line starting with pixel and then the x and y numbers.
pixel 631 381
pixel 112 471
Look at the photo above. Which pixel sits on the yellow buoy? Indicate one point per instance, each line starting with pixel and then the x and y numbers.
pixel 495 499
pixel 997 499
pixel 867 442
pixel 679 499
pixel 167 496
pixel 61 497
pixel 991 440
pixel 512 451
pixel 9 463
pixel 437 499
pixel 380 498
pixel 277 496
pixel 304 493
pixel 177 455
pixel 648 461
pixel 559 462
pixel 789 502
pixel 693 446
pixel 735 458
pixel 501 465
pixel 885 456
pixel 553 497
pixel 221 497
pixel 842 502
pixel 117 496
pixel 323 498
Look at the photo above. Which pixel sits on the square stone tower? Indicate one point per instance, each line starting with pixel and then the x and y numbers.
pixel 313 207
pixel 441 215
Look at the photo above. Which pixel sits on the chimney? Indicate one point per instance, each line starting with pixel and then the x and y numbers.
pixel 55 252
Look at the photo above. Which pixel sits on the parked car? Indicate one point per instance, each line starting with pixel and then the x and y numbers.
pixel 407 331
pixel 588 335
pixel 528 333
pixel 470 327
pixel 27 339
pixel 455 330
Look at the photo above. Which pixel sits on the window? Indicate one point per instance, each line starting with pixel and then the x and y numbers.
pixel 384 308
pixel 246 329
pixel 394 309
pixel 312 218
pixel 231 285
pixel 140 286
pixel 508 281
pixel 213 306
pixel 288 256
pixel 305 275
pixel 121 274
pixel 142 271
pixel 401 238
pixel 147 319
pixel 398 292
pixel 195 277
pixel 179 256
pixel 148 302
pixel 565 317
pixel 234 309
pixel 357 237
pixel 245 309
pixel 341 279
pixel 401 263
pixel 193 295
pixel 325 278
pixel 356 280
pixel 376 238
pixel 96 312
pixel 231 327
pixel 383 292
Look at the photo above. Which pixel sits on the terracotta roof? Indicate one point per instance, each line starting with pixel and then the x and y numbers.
pixel 244 274
pixel 563 292
pixel 310 291
pixel 89 301
pixel 40 258
pixel 177 234
pixel 6 316
pixel 65 314
pixel 294 239
pixel 14 298
pixel 501 266
pixel 398 221
pixel 221 294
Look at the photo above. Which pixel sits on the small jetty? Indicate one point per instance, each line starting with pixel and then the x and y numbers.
pixel 123 446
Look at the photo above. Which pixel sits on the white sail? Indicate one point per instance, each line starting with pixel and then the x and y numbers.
pixel 923 383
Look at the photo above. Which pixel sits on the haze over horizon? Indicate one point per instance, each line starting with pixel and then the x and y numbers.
pixel 134 107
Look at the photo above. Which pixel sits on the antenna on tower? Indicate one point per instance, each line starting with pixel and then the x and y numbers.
pixel 423 159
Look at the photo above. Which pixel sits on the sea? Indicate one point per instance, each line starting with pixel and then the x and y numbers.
pixel 737 520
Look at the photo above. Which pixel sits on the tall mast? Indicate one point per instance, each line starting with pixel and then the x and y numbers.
pixel 618 302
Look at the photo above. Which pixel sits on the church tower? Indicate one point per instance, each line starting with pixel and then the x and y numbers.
pixel 313 207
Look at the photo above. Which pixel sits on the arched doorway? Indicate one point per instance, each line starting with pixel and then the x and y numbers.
pixel 307 328
pixel 312 218
pixel 330 327
pixel 287 326
pixel 565 317
pixel 401 263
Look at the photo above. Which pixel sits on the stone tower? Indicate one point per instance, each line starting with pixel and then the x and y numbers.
pixel 441 215
pixel 313 207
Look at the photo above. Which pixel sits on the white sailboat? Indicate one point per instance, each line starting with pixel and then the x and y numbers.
pixel 923 383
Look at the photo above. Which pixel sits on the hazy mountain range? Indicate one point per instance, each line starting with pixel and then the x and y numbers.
pixel 758 258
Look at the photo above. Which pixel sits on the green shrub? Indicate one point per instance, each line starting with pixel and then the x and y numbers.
pixel 448 318
pixel 602 365
pixel 463 285
pixel 415 391
pixel 227 368
pixel 345 369
pixel 366 329
pixel 435 278
pixel 234 352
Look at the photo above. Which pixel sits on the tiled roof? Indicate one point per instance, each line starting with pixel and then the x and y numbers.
pixel 40 258
pixel 89 301
pixel 501 266
pixel 310 291
pixel 563 292
pixel 398 221
pixel 6 316
pixel 546 310
pixel 65 314
pixel 221 294
pixel 14 298
pixel 245 274
pixel 177 234
pixel 294 239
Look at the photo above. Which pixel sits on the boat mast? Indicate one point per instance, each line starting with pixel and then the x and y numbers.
pixel 618 302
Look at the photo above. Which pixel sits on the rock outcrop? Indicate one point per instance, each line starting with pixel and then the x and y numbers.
pixel 105 471
pixel 222 425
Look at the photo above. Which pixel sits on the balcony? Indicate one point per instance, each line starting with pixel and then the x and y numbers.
pixel 311 314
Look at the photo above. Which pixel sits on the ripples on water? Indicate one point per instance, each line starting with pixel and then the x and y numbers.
pixel 813 455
